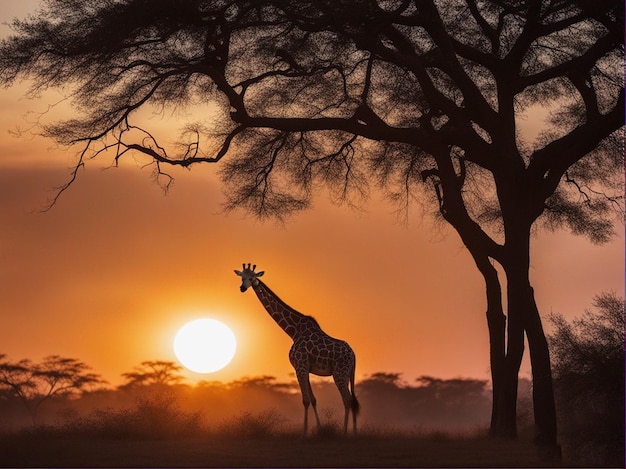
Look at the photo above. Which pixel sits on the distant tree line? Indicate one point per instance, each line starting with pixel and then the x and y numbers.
pixel 157 387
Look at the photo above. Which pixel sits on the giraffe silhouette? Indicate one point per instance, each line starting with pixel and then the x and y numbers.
pixel 313 351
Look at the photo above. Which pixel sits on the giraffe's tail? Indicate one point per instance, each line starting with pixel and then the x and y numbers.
pixel 354 403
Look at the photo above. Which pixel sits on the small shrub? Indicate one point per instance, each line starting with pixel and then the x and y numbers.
pixel 142 422
pixel 249 425
pixel 108 423
pixel 329 431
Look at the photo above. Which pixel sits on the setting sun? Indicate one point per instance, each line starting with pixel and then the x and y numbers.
pixel 205 345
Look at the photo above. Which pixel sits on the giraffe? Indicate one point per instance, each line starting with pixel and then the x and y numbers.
pixel 313 351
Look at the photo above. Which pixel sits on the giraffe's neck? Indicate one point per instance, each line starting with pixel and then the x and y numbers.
pixel 289 320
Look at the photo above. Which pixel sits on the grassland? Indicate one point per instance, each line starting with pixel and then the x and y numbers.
pixel 54 449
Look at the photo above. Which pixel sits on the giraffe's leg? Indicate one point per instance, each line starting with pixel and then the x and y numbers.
pixel 346 396
pixel 314 405
pixel 306 418
pixel 354 403
pixel 353 419
pixel 307 398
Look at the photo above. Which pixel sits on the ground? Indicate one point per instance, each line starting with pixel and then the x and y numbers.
pixel 435 450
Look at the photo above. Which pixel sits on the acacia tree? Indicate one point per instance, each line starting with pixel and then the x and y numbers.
pixel 35 383
pixel 154 372
pixel 420 96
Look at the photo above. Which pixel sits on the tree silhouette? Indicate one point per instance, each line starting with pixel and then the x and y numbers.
pixel 154 372
pixel 409 94
pixel 588 356
pixel 35 383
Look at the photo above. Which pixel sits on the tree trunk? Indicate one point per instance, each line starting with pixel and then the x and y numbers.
pixel 543 391
pixel 496 322
pixel 519 213
pixel 524 317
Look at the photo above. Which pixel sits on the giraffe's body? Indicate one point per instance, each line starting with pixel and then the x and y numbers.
pixel 313 351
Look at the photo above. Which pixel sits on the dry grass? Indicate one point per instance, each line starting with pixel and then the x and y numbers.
pixel 271 446
pixel 171 438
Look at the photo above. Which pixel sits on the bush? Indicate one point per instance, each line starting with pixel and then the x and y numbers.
pixel 588 362
pixel 249 425
pixel 150 420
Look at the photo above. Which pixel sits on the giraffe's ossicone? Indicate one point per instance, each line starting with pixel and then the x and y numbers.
pixel 313 351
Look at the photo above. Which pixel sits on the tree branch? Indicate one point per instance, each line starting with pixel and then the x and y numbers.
pixel 549 164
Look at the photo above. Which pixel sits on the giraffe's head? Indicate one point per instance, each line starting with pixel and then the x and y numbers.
pixel 248 276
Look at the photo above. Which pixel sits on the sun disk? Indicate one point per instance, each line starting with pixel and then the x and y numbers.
pixel 205 345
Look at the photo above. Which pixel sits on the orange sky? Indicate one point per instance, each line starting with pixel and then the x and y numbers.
pixel 111 273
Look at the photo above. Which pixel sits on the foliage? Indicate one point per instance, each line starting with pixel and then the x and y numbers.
pixel 154 418
pixel 250 425
pixel 459 405
pixel 264 405
pixel 339 93
pixel 33 384
pixel 157 372
pixel 588 357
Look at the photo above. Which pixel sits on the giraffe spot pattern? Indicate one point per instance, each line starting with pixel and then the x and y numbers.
pixel 313 351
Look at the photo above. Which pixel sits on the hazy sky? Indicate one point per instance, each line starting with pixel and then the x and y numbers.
pixel 111 273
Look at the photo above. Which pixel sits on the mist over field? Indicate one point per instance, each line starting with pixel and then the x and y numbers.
pixel 257 422
pixel 387 402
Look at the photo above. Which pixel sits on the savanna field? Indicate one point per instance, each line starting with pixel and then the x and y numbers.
pixel 256 422
pixel 274 448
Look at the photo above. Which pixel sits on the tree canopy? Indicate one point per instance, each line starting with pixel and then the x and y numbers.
pixel 154 372
pixel 33 384
pixel 333 92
